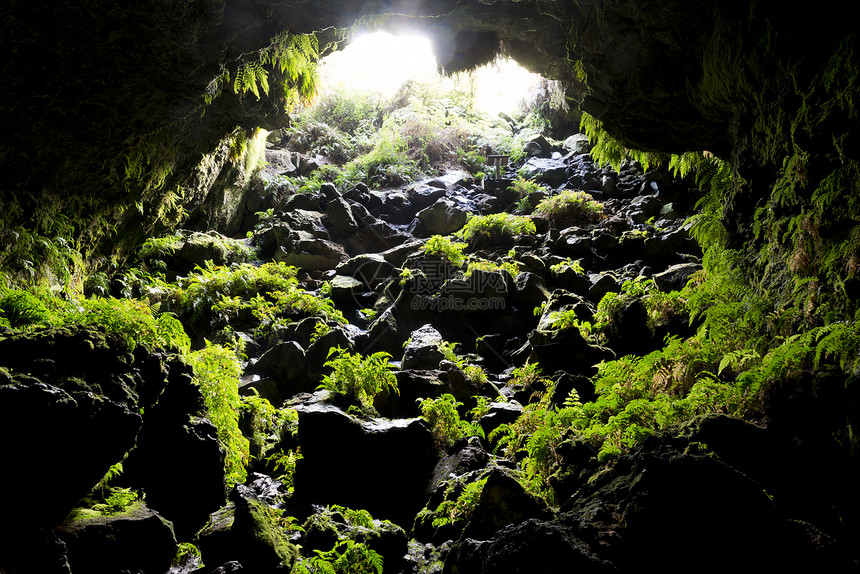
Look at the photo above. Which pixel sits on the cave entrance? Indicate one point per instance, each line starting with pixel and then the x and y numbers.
pixel 382 63
pixel 386 116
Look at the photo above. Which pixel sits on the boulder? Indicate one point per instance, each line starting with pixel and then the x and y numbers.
pixel 341 220
pixel 499 414
pixel 552 171
pixel 412 386
pixel 529 290
pixel 359 464
pixel 326 526
pixel 530 547
pixel 503 501
pixel 71 396
pixel 377 236
pixel 601 284
pixel 577 143
pixel 310 253
pixel 286 364
pixel 246 531
pixel 138 540
pixel 422 349
pixel 178 460
pixel 424 194
pixel 441 218
pixel 345 288
pixel 675 277
pixel 372 269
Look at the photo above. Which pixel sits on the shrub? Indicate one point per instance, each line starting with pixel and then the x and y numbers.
pixel 346 557
pixel 443 247
pixel 569 208
pixel 445 422
pixel 496 228
pixel 359 378
pixel 20 308
pixel 386 165
pixel 523 187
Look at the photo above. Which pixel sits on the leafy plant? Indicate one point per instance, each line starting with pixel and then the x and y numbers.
pixel 570 207
pixel 217 372
pixel 359 378
pixel 460 510
pixel 560 267
pixel 478 264
pixel 21 308
pixel 496 228
pixel 445 422
pixel 443 247
pixel 347 557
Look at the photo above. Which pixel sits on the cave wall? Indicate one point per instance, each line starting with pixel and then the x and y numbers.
pixel 107 115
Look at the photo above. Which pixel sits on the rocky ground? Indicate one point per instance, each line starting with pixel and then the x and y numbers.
pixel 671 504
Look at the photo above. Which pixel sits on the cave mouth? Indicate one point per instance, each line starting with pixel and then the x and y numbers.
pixel 381 62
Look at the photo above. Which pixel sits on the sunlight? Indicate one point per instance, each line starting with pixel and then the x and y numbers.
pixel 381 62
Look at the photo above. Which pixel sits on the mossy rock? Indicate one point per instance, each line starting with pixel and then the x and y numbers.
pixel 247 530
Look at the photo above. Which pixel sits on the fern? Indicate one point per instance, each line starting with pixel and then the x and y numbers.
pixel 359 378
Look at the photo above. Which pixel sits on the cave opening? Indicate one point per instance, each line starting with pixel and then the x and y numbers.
pixel 256 319
pixel 381 62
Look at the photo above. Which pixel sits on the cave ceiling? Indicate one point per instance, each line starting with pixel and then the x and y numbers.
pixel 86 81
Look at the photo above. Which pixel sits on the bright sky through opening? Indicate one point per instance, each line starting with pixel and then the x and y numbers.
pixel 382 62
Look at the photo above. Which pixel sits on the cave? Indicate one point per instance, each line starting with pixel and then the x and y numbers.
pixel 228 344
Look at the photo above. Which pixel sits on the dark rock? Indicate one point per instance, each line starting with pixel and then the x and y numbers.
pixel 178 460
pixel 286 364
pixel 231 567
pixel 423 195
pixel 323 529
pixel 601 284
pixel 307 164
pixel 383 334
pixel 503 501
pixel 491 349
pixel 422 350
pixel 318 351
pixel 412 385
pixel 530 290
pixel 138 540
pixel 675 277
pixel 381 457
pixel 565 351
pixel 627 331
pixel 371 269
pixel 302 201
pixel 310 253
pixel 345 288
pixel 71 396
pixel 578 143
pixel 198 248
pixel 575 246
pixel 531 547
pixel 648 205
pixel 547 170
pixel 377 236
pixel 329 192
pixel 499 414
pixel 246 531
pixel 442 218
pixel 341 219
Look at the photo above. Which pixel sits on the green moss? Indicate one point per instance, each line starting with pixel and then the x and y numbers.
pixel 265 529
